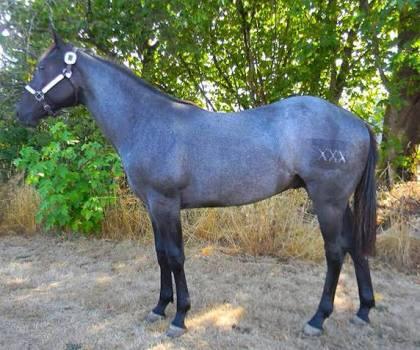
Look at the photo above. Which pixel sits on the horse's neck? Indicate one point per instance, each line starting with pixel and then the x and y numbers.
pixel 117 102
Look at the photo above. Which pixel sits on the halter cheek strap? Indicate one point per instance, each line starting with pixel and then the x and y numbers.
pixel 70 59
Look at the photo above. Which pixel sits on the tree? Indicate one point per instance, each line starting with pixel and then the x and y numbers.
pixel 236 54
pixel 394 29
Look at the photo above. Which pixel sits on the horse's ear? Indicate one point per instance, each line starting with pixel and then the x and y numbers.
pixel 57 39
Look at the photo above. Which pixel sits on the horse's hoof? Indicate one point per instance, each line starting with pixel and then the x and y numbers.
pixel 358 321
pixel 153 317
pixel 175 332
pixel 311 331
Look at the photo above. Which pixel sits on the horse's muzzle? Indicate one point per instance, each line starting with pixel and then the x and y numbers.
pixel 26 120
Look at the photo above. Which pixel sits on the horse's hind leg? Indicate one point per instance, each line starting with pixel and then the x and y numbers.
pixel 364 281
pixel 330 216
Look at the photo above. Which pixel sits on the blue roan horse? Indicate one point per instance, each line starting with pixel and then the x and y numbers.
pixel 177 155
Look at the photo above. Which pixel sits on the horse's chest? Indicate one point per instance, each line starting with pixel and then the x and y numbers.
pixel 162 173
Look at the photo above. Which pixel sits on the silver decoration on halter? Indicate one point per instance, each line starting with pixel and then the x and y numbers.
pixel 70 57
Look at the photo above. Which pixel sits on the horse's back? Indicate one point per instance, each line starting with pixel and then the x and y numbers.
pixel 221 159
pixel 250 155
pixel 318 117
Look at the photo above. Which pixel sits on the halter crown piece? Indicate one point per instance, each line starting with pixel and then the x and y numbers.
pixel 70 58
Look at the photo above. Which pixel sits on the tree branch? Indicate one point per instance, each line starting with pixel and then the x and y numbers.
pixel 338 80
pixel 365 8
pixel 228 83
pixel 197 83
pixel 246 34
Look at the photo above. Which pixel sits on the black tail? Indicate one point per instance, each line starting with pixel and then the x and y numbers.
pixel 365 204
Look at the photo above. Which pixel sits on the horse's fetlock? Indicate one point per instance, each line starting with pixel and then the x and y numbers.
pixel 166 295
pixel 367 298
pixel 326 308
pixel 368 303
pixel 184 305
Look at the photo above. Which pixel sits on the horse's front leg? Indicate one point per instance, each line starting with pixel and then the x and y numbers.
pixel 166 295
pixel 165 213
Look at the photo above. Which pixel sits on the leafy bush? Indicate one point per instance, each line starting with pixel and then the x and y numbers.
pixel 11 140
pixel 75 180
pixel 13 136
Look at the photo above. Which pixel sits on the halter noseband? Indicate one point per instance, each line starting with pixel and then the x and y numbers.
pixel 70 59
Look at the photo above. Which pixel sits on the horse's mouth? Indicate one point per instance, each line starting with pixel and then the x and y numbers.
pixel 26 120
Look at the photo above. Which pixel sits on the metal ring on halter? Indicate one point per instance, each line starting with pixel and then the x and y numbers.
pixel 47 108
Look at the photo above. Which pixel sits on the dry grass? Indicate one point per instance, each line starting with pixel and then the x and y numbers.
pixel 127 219
pixel 281 226
pixel 399 216
pixel 94 294
pixel 402 201
pixel 19 205
pixel 398 247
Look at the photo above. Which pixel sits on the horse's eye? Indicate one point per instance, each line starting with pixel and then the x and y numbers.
pixel 41 68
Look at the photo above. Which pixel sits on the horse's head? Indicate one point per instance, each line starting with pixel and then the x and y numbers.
pixel 52 86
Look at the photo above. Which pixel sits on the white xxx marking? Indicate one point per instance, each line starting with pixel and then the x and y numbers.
pixel 331 155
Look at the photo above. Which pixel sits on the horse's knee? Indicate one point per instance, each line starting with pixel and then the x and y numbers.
pixel 334 253
pixel 175 261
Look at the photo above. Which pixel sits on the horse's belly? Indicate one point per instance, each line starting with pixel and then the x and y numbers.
pixel 236 185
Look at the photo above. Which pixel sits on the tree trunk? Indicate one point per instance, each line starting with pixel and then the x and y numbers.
pixel 401 135
pixel 402 116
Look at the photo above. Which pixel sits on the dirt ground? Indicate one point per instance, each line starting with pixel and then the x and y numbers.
pixel 94 294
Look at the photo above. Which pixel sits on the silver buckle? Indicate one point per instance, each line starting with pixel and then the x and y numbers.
pixel 67 73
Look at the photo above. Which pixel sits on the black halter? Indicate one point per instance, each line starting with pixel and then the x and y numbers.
pixel 70 59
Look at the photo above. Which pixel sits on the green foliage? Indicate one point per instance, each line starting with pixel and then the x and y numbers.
pixel 225 55
pixel 11 140
pixel 222 55
pixel 75 181
pixel 400 159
